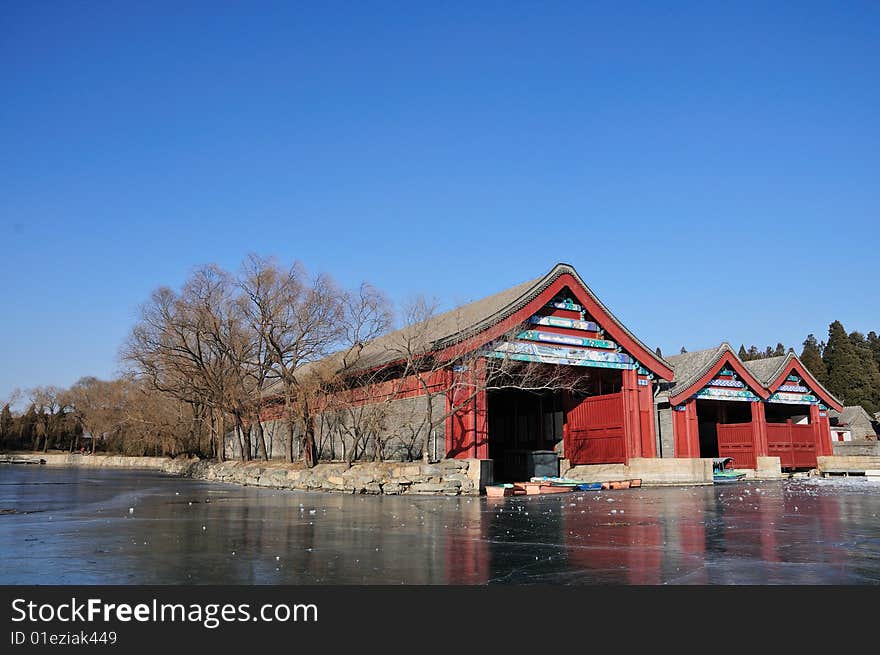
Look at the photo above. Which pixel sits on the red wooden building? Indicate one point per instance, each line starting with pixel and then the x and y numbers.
pixel 558 321
pixel 718 405
pixel 724 407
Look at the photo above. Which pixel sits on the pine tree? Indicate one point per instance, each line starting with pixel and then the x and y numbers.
pixel 6 424
pixel 780 350
pixel 753 353
pixel 874 345
pixel 848 378
pixel 742 354
pixel 27 427
pixel 658 352
pixel 870 398
pixel 811 356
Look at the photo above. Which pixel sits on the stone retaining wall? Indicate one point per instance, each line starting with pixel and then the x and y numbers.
pixel 449 477
pixel 856 448
pixel 845 464
pixel 92 461
pixel 652 472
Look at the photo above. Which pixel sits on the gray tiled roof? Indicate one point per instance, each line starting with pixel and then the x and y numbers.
pixel 690 367
pixel 463 322
pixel 766 369
pixel 856 419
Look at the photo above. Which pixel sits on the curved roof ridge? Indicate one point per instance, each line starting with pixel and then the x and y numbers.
pixel 814 381
pixel 471 319
pixel 690 371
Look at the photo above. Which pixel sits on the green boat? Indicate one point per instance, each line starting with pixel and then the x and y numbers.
pixel 721 474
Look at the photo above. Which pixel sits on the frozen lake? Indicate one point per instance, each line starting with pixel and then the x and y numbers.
pixel 81 526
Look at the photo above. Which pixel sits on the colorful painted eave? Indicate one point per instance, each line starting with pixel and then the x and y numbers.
pixel 523 308
pixel 791 364
pixel 775 389
pixel 725 356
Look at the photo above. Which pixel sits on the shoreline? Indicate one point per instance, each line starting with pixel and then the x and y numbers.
pixel 449 477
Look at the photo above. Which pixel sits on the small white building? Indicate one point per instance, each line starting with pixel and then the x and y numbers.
pixel 840 433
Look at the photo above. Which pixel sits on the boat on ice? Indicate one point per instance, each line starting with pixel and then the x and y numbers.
pixel 723 471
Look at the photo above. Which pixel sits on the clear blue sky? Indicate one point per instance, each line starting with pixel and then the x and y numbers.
pixel 711 170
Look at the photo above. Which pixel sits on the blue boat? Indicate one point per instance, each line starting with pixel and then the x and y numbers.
pixel 721 474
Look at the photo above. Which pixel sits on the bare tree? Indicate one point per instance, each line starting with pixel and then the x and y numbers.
pixel 456 373
pixel 174 348
pixel 298 320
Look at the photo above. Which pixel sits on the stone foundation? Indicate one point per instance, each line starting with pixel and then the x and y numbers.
pixel 848 465
pixel 861 447
pixel 651 471
pixel 91 461
pixel 449 477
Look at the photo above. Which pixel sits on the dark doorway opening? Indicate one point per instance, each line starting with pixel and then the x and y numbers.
pixel 711 413
pixel 525 433
pixel 783 412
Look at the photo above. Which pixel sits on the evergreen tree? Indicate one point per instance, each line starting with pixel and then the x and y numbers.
pixel 811 356
pixel 658 353
pixel 27 428
pixel 753 353
pixel 743 355
pixel 874 345
pixel 848 377
pixel 870 399
pixel 780 350
pixel 6 425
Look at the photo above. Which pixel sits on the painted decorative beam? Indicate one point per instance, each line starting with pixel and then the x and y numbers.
pixel 717 382
pixel 795 388
pixel 567 304
pixel 526 351
pixel 726 394
pixel 793 398
pixel 553 337
pixel 542 359
pixel 572 323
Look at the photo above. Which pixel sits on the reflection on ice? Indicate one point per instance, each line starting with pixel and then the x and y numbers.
pixel 137 527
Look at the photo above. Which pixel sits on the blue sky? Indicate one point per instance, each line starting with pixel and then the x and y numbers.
pixel 711 170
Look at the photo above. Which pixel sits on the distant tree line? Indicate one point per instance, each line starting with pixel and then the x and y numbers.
pixel 847 364
pixel 198 365
pixel 210 367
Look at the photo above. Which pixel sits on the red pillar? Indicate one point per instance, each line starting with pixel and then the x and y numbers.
pixel 759 429
pixel 646 420
pixel 629 393
pixel 686 429
pixel 821 431
pixel 481 412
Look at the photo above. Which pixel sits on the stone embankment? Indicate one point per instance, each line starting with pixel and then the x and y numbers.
pixel 449 477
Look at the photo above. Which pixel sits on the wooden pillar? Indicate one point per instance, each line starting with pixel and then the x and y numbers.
pixel 686 429
pixel 629 393
pixel 449 427
pixel 646 420
pixel 481 411
pixel 759 429
pixel 821 431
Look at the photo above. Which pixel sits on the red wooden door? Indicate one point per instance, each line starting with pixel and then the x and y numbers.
pixel 594 431
pixel 737 440
pixel 794 445
pixel 779 444
pixel 803 446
